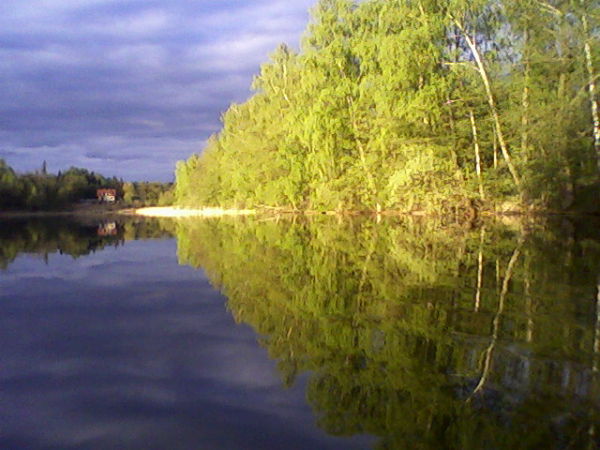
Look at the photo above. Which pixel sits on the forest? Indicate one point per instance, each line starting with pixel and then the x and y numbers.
pixel 416 105
pixel 41 190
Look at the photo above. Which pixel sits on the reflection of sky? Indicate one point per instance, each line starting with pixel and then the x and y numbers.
pixel 124 348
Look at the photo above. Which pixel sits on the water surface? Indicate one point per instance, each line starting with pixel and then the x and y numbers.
pixel 263 333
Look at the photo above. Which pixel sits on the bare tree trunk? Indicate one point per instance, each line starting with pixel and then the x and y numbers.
pixel 592 88
pixel 477 153
pixel 525 101
pixel 495 151
pixel 492 103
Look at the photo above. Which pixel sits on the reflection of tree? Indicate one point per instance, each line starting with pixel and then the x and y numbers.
pixel 496 323
pixel 382 316
pixel 45 236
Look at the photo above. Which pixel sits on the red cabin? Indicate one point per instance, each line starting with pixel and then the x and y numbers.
pixel 106 195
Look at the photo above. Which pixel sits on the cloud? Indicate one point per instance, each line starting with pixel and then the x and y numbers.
pixel 142 81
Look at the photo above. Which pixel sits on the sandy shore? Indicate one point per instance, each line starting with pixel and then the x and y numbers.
pixel 170 211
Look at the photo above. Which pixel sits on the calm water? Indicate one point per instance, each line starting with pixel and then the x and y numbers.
pixel 260 334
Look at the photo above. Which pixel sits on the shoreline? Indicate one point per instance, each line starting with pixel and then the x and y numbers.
pixel 179 212
pixel 175 212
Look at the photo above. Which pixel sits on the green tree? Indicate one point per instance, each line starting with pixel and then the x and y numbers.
pixel 435 105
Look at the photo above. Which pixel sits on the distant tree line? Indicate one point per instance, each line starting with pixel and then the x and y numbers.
pixel 40 190
pixel 430 104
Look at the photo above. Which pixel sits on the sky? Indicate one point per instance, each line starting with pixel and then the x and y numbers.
pixel 129 87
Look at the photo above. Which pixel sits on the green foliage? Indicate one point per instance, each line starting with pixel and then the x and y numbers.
pixel 374 111
pixel 139 194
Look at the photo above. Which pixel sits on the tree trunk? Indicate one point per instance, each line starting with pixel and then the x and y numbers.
pixel 525 100
pixel 477 153
pixel 492 103
pixel 487 361
pixel 479 271
pixel 495 151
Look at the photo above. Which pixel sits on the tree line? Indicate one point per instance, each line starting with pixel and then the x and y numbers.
pixel 416 105
pixel 41 190
pixel 147 193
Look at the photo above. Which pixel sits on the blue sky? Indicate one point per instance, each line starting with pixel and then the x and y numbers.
pixel 129 87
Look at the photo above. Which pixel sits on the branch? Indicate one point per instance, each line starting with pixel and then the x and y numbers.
pixel 551 9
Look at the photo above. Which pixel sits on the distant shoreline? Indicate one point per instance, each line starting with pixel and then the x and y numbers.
pixel 171 211
pixel 111 211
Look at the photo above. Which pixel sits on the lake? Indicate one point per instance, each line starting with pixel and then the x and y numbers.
pixel 296 333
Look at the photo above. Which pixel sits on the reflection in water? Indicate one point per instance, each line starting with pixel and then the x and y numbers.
pixel 44 236
pixel 421 335
pixel 424 336
pixel 108 229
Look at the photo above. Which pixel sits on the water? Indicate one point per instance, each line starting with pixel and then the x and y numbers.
pixel 264 333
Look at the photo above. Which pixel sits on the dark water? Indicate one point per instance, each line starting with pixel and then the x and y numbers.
pixel 261 333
